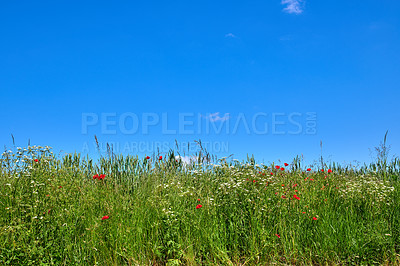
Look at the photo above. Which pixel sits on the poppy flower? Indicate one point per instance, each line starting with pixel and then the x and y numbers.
pixel 198 199
pixel 101 177
pixel 303 212
pixel 286 164
pixel 272 173
pixel 283 197
pixel 147 157
pixel 95 176
pixel 277 167
pixel 308 169
pixel 283 169
pixel 296 197
pixel 315 218
pixel 160 158
pixel 278 235
pixel 322 170
pixel 36 160
pixel 254 181
pixel 329 171
pixel 105 217
pixel 199 206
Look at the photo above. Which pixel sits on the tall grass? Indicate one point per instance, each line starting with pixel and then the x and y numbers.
pixel 170 212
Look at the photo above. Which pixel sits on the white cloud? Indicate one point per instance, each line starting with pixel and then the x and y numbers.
pixel 230 35
pixel 293 6
pixel 216 117
pixel 186 159
pixel 286 38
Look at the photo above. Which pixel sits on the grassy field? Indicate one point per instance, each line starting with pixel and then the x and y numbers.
pixel 155 211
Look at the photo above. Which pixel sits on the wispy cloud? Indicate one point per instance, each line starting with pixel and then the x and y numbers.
pixel 293 6
pixel 286 38
pixel 230 35
pixel 216 117
pixel 186 159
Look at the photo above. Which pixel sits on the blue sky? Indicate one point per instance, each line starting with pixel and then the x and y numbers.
pixel 63 60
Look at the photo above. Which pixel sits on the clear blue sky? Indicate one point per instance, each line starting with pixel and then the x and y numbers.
pixel 339 59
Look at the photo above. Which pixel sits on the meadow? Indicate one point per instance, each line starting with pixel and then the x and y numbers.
pixel 126 210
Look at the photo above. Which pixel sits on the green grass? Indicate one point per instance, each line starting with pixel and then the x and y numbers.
pixel 51 212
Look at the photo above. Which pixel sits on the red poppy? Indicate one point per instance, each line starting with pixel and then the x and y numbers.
pixel 101 177
pixel 283 169
pixel 295 185
pixel 278 235
pixel 329 171
pixel 160 158
pixel 199 206
pixel 315 218
pixel 198 199
pixel 254 181
pixel 322 170
pixel 105 217
pixel 277 167
pixel 286 164
pixel 308 169
pixel 303 212
pixel 147 157
pixel 296 197
pixel 36 160
pixel 272 173
pixel 283 197
pixel 95 176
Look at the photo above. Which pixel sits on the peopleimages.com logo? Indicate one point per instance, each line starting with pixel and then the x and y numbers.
pixel 294 123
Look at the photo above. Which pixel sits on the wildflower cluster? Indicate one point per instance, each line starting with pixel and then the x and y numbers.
pixel 99 177
pixel 367 187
